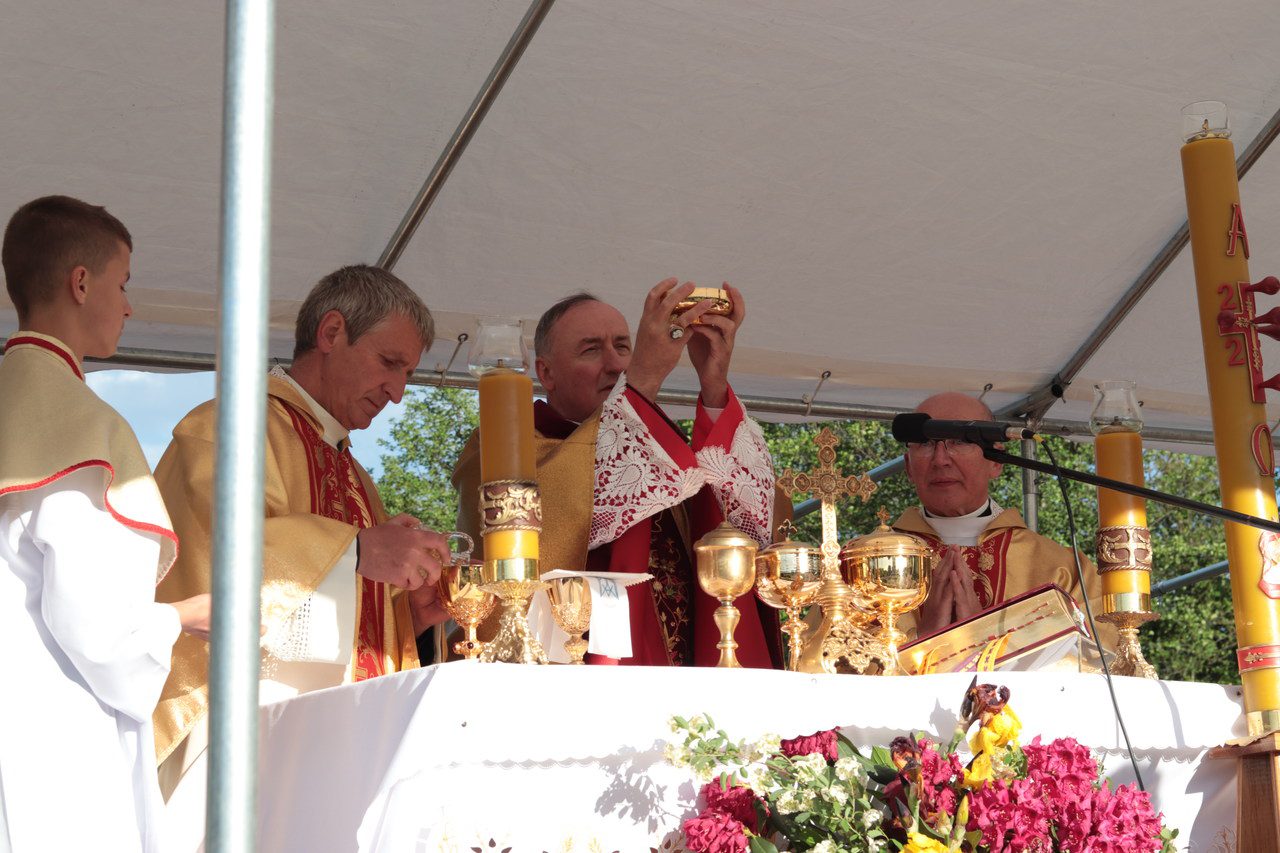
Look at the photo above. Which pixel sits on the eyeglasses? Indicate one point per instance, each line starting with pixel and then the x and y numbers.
pixel 955 447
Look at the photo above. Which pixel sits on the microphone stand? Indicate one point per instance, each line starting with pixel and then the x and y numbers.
pixel 1128 488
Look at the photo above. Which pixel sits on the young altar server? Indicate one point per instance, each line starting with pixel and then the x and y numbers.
pixel 84 538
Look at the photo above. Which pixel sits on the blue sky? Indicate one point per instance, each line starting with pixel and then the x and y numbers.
pixel 153 403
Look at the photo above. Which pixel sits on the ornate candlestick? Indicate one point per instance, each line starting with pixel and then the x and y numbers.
pixel 1124 542
pixel 841 634
pixel 788 577
pixel 726 570
pixel 510 506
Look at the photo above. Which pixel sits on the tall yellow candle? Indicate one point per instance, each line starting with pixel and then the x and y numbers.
pixel 1220 250
pixel 1119 457
pixel 506 427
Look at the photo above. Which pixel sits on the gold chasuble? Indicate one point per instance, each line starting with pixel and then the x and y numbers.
pixel 317 498
pixel 1009 560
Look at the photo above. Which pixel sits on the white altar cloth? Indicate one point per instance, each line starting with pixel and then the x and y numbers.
pixel 559 758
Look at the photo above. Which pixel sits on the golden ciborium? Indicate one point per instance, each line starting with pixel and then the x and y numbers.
pixel 721 303
pixel 788 577
pixel 726 569
pixel 891 570
pixel 571 608
pixel 467 602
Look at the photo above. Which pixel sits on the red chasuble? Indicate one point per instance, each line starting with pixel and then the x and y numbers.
pixel 338 493
pixel 672 620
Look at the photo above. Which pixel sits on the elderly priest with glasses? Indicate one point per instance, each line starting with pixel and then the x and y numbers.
pixel 987 555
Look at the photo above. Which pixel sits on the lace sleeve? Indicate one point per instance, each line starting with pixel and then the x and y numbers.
pixel 743 480
pixel 635 476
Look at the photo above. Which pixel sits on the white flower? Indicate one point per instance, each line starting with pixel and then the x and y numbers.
pixel 705 774
pixel 759 778
pixel 769 743
pixel 874 845
pixel 677 756
pixel 674 725
pixel 812 763
pixel 825 846
pixel 789 803
pixel 699 724
pixel 847 769
pixel 870 819
pixel 835 794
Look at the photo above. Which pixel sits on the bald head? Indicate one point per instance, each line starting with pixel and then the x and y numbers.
pixel 954 406
pixel 951 481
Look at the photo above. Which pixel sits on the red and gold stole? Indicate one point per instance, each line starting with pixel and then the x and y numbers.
pixel 338 493
pixel 987 561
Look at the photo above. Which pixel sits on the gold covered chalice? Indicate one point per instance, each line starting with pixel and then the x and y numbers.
pixel 571 608
pixel 892 570
pixel 721 303
pixel 788 577
pixel 726 570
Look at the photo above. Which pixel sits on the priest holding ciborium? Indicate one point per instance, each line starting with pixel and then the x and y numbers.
pixel 623 489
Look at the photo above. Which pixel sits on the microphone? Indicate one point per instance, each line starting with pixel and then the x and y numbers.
pixel 917 428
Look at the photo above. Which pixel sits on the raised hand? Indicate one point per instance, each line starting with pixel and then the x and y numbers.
pixel 656 350
pixel 711 349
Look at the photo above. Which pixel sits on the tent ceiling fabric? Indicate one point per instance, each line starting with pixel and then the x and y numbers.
pixel 914 196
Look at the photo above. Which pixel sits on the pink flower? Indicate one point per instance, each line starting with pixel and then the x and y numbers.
pixel 939 777
pixel 822 743
pixel 736 800
pixel 1013 816
pixel 715 832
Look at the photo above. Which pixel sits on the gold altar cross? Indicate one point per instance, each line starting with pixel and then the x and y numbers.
pixel 827 485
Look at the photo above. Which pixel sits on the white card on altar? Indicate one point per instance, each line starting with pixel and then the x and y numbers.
pixel 610 632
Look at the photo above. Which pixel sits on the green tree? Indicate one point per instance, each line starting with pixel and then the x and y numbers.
pixel 425 442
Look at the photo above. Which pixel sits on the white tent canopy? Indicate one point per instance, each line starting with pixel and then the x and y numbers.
pixel 914 196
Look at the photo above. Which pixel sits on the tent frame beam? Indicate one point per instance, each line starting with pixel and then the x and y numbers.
pixel 466 129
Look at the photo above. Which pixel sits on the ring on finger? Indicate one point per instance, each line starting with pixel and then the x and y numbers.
pixel 676 332
pixel 422 573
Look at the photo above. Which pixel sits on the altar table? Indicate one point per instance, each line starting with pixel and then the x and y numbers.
pixel 496 757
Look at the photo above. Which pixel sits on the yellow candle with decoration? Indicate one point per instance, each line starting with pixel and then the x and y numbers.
pixel 1124 543
pixel 506 451
pixel 1220 250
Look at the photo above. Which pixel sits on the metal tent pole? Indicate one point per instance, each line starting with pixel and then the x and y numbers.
pixel 466 129
pixel 241 425
pixel 1030 489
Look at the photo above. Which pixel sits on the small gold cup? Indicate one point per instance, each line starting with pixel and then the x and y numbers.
pixel 788 577
pixel 722 304
pixel 726 569
pixel 465 600
pixel 571 608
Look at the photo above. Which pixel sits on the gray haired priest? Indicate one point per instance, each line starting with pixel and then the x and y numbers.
pixel 987 555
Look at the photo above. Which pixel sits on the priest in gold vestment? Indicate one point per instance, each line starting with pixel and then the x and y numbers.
pixel 987 554
pixel 345 590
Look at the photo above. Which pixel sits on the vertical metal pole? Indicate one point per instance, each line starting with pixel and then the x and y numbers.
pixel 1030 489
pixel 241 424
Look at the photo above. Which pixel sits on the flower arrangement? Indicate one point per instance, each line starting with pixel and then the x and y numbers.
pixel 819 793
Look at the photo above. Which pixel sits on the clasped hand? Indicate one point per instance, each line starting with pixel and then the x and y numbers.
pixel 403 553
pixel 709 338
pixel 951 594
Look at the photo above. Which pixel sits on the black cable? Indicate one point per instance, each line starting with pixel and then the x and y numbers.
pixel 1088 611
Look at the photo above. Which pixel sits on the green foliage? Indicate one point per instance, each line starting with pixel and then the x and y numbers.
pixel 425 442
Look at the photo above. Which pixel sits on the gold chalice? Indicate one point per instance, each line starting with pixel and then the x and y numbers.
pixel 891 569
pixel 571 608
pixel 464 599
pixel 788 577
pixel 723 305
pixel 726 570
